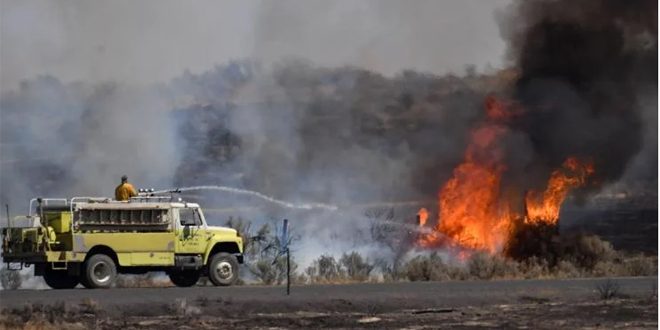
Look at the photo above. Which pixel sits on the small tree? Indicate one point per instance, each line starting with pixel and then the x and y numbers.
pixel 262 252
pixel 393 235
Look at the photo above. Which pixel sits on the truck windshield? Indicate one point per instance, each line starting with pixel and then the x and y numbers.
pixel 189 217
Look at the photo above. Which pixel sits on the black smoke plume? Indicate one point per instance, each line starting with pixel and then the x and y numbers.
pixel 585 68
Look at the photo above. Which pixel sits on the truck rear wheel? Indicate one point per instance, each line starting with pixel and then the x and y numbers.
pixel 185 278
pixel 223 269
pixel 60 279
pixel 99 271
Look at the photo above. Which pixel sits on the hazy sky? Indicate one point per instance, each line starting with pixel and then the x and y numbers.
pixel 154 40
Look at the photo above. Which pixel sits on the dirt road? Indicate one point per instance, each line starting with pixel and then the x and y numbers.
pixel 509 304
pixel 459 293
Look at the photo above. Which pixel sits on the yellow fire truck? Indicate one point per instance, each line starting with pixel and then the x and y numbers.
pixel 90 241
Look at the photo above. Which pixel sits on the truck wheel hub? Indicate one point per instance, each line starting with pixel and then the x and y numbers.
pixel 101 272
pixel 224 269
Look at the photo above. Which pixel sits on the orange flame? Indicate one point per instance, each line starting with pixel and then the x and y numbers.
pixel 423 216
pixel 471 213
pixel 544 207
pixel 474 212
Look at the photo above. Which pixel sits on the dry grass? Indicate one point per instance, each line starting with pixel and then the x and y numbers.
pixel 38 316
pixel 182 308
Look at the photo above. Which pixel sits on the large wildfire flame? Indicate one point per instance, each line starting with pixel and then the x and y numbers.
pixel 475 212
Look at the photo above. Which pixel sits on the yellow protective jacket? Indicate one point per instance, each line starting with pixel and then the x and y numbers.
pixel 124 192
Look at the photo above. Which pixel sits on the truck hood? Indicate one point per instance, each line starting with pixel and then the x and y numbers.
pixel 222 230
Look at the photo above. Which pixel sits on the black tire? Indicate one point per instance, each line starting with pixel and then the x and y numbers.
pixel 83 281
pixel 99 271
pixel 60 279
pixel 223 269
pixel 185 278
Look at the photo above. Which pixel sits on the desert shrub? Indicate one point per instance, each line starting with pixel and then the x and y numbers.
pixel 484 266
pixel 265 271
pixel 299 278
pixel 325 269
pixel 585 251
pixel 271 269
pixel 10 279
pixel 641 265
pixel 458 273
pixel 505 268
pixel 427 268
pixel 607 268
pixel 390 271
pixel 566 269
pixel 356 268
pixel 608 289
pixel 480 265
pixel 534 268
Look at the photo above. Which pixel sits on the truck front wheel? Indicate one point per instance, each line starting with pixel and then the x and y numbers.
pixel 185 278
pixel 100 271
pixel 60 279
pixel 223 269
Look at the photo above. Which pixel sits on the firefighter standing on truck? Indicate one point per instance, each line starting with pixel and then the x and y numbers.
pixel 125 190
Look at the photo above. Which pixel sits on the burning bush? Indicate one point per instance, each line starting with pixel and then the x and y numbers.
pixel 570 124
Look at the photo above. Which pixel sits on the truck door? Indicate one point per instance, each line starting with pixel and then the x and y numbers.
pixel 190 229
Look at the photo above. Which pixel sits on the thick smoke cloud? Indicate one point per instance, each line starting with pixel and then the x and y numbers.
pixel 334 135
pixel 586 70
pixel 65 140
